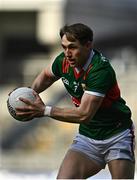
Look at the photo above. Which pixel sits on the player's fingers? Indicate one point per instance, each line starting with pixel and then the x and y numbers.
pixel 26 101
pixel 24 109
pixel 23 114
pixel 28 108
pixel 27 113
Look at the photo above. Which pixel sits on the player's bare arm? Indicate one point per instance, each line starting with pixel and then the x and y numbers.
pixel 87 109
pixel 44 80
pixel 82 114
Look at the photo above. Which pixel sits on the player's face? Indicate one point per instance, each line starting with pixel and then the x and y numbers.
pixel 75 53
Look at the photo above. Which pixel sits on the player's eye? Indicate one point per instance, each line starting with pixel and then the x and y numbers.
pixel 72 47
pixel 64 47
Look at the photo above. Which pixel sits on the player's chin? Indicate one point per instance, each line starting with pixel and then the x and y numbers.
pixel 72 64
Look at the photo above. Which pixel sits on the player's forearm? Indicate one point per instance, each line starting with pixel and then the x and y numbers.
pixel 82 114
pixel 71 115
pixel 42 82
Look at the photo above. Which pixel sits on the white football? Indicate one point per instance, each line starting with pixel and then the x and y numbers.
pixel 13 101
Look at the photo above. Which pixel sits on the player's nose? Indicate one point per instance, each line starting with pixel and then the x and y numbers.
pixel 68 53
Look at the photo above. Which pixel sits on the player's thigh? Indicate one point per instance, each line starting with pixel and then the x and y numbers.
pixel 122 169
pixel 77 165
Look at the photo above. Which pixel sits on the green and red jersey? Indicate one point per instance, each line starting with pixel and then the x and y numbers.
pixel 96 78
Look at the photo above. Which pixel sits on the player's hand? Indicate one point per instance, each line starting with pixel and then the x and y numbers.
pixel 31 109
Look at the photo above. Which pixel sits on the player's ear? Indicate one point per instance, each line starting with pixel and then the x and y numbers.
pixel 89 45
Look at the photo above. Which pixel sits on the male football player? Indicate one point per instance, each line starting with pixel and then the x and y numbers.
pixel 105 133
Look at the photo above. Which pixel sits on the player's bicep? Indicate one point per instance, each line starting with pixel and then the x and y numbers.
pixel 90 104
pixel 49 74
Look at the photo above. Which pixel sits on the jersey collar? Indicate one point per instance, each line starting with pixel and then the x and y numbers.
pixel 88 61
pixel 79 72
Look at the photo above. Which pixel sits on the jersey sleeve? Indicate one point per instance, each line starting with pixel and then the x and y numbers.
pixel 100 82
pixel 57 65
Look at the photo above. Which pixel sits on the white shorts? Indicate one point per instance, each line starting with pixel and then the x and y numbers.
pixel 120 146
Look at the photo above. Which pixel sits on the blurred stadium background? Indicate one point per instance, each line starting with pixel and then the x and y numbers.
pixel 29 40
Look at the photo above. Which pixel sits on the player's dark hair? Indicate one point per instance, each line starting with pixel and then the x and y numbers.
pixel 77 31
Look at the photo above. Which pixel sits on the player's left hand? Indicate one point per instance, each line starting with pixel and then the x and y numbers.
pixel 31 109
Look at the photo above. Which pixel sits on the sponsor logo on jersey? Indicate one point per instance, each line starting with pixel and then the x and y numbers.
pixel 74 85
pixel 65 81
